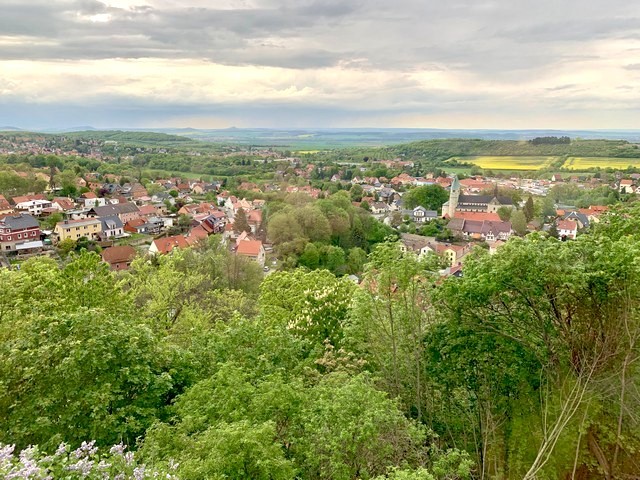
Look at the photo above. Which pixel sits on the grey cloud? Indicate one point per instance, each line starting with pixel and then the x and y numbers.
pixel 484 36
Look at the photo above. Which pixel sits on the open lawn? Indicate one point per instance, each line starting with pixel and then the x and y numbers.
pixel 589 163
pixel 508 162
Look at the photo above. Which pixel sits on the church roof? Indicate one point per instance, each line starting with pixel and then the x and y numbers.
pixel 483 199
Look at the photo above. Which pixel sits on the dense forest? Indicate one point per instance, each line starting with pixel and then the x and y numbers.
pixel 195 367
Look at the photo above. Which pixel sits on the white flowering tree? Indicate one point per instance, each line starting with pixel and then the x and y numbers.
pixel 86 462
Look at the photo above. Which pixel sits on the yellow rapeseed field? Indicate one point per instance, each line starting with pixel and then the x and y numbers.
pixel 586 163
pixel 508 162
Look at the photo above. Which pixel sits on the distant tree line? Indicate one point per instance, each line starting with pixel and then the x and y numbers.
pixel 550 141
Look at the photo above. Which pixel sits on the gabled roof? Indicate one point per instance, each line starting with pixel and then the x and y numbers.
pixel 64 203
pixel 250 248
pixel 136 222
pixel 79 223
pixel 477 216
pixel 119 254
pixel 117 209
pixel 167 244
pixel 27 198
pixel 496 227
pixel 566 225
pixel 20 221
pixel 148 210
pixel 111 223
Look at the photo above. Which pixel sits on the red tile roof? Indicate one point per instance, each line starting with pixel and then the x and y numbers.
pixel 167 244
pixel 480 216
pixel 567 225
pixel 124 253
pixel 250 248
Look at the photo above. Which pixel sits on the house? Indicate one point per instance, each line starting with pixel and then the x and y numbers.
pixel 27 198
pixel 197 235
pixel 252 249
pixel 453 254
pixel 33 207
pixel 152 210
pixel 90 228
pixel 378 208
pixel 487 230
pixel 90 199
pixel 254 218
pixel 162 197
pixel 5 206
pixel 166 245
pixel 422 215
pixel 63 204
pixel 19 232
pixel 567 229
pixel 137 225
pixel 126 211
pixel 627 186
pixel 492 231
pixel 111 227
pixel 576 216
pixel 119 257
pixel 417 244
pixel 138 191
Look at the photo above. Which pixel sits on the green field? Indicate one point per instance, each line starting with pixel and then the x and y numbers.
pixel 589 163
pixel 508 162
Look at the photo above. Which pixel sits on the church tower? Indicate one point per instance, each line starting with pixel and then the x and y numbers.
pixel 454 196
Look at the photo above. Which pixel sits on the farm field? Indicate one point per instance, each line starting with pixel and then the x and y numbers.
pixel 508 162
pixel 587 163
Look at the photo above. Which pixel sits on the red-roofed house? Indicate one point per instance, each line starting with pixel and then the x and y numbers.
pixel 63 204
pixel 166 245
pixel 626 186
pixel 120 257
pixel 480 216
pixel 252 249
pixel 197 235
pixel 28 198
pixel 567 229
pixel 5 207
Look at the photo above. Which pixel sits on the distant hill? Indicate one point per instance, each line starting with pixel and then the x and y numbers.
pixel 324 138
pixel 10 129
pixel 136 137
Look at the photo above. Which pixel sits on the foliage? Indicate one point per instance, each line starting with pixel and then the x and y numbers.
pixel 430 197
pixel 312 305
pixel 240 222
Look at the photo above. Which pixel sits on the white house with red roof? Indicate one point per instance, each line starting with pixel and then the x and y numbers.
pixel 567 229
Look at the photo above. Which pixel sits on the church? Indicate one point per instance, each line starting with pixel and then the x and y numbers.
pixel 472 203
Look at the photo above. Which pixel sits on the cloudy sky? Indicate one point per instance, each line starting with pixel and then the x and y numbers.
pixel 320 63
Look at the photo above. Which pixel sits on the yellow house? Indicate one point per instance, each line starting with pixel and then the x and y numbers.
pixel 75 229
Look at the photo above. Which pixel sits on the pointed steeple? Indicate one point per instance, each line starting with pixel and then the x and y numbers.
pixel 455 185
pixel 454 195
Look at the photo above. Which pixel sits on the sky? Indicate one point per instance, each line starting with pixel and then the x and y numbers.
pixel 508 64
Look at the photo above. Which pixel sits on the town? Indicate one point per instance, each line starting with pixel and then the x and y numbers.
pixel 122 217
